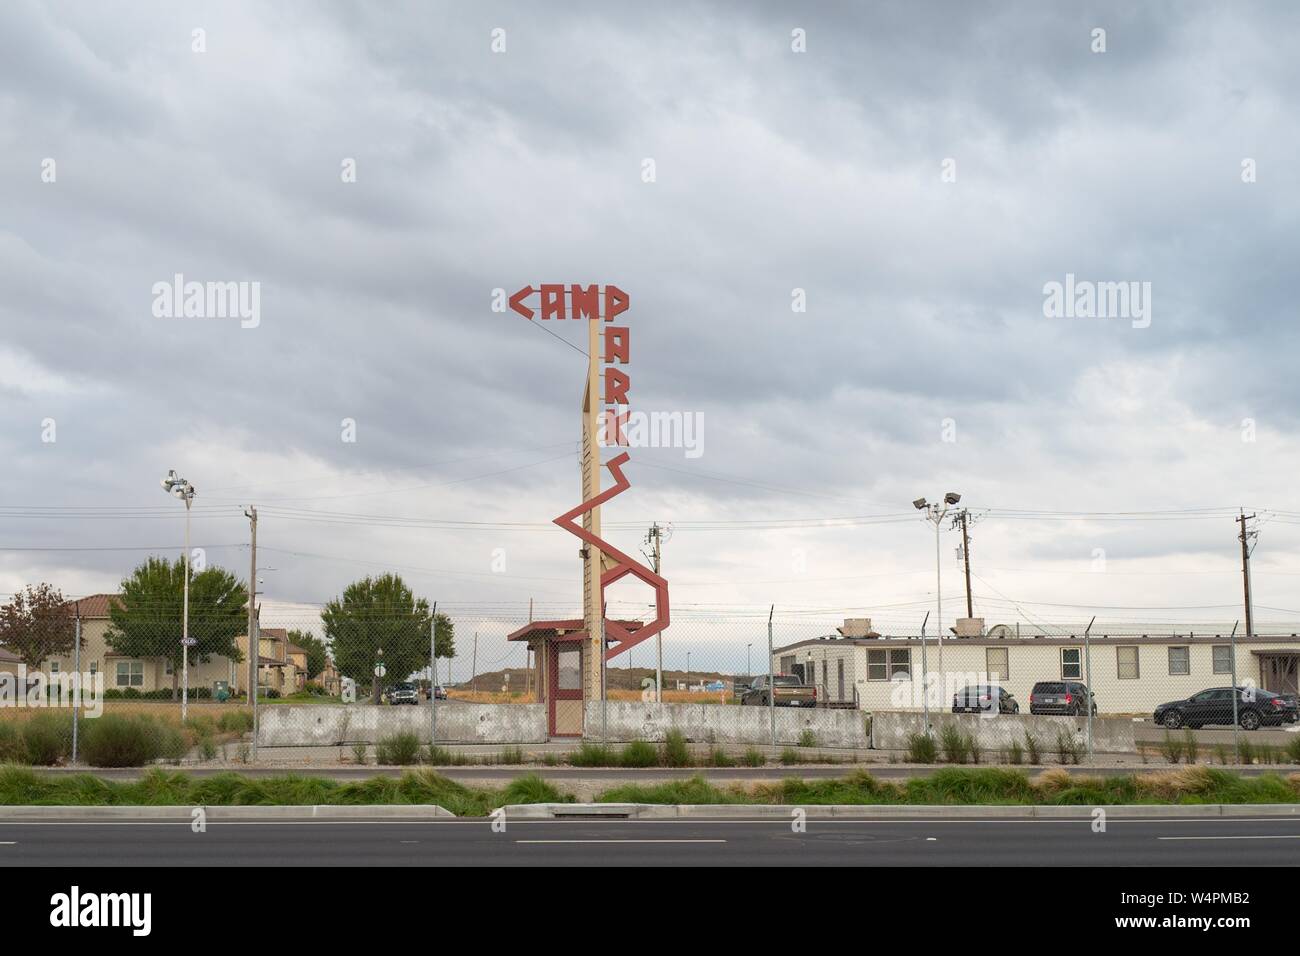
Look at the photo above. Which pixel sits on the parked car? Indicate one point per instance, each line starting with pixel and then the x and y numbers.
pixel 440 692
pixel 403 693
pixel 984 698
pixel 790 692
pixel 1255 708
pixel 1061 697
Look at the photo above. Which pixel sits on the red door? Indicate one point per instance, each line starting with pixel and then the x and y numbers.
pixel 564 683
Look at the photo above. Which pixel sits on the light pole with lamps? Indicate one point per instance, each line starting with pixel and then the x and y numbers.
pixel 174 485
pixel 935 513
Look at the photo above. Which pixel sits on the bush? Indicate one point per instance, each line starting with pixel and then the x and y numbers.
pixel 235 721
pixel 954 744
pixel 1016 754
pixel 1190 747
pixel 674 751
pixel 921 748
pixel 973 748
pixel 753 757
pixel 47 738
pixel 1245 751
pixel 511 755
pixel 807 739
pixel 1032 749
pixel 593 755
pixel 398 750
pixel 1171 748
pixel 114 740
pixel 1292 750
pixel 359 754
pixel 720 758
pixel 790 756
pixel 639 753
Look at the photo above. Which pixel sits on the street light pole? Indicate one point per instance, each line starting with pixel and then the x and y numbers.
pixel 178 487
pixel 936 512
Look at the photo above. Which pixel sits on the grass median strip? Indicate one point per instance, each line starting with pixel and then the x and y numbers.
pixel 21 786
pixel 974 787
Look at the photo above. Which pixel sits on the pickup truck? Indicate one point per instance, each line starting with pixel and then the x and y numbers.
pixel 790 692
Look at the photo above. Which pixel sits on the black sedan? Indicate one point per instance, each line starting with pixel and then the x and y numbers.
pixel 984 698
pixel 1255 708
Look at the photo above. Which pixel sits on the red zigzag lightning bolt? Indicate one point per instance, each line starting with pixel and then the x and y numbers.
pixel 626 565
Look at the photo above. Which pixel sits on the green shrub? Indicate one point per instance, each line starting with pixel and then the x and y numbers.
pixel 1068 748
pixel 720 758
pixel 1171 748
pixel 921 748
pixel 11 744
pixel 235 722
pixel 1032 749
pixel 1221 752
pixel 1016 754
pixel 807 739
pixel 674 752
pixel 398 750
pixel 953 743
pixel 1245 751
pixel 639 753
pixel 790 756
pixel 47 738
pixel 359 756
pixel 1191 749
pixel 753 757
pixel 973 748
pixel 593 755
pixel 1293 750
pixel 208 748
pixel 115 740
pixel 512 755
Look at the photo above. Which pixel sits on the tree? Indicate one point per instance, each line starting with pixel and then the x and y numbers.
pixel 382 614
pixel 317 652
pixel 37 624
pixel 146 618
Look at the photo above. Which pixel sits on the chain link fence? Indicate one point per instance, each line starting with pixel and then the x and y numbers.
pixel 484 686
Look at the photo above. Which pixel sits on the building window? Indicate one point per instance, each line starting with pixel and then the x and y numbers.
pixel 996 663
pixel 1071 666
pixel 889 665
pixel 54 668
pixel 1222 659
pixel 1180 661
pixel 130 673
pixel 787 664
pixel 94 668
pixel 1126 662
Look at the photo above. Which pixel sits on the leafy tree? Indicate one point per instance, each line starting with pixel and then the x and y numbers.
pixel 317 652
pixel 377 614
pixel 146 618
pixel 37 624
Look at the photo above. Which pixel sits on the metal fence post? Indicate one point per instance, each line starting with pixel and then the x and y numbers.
pixel 76 671
pixel 604 686
pixel 1236 727
pixel 925 678
pixel 771 691
pixel 433 680
pixel 1087 671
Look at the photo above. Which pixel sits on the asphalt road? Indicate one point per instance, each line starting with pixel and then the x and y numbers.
pixel 472 842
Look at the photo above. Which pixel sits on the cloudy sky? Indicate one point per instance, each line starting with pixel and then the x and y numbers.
pixel 920 170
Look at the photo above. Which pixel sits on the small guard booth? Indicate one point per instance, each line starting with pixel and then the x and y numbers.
pixel 559 650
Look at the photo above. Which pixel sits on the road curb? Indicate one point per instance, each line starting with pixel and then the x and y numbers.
pixel 651 811
pixel 226 813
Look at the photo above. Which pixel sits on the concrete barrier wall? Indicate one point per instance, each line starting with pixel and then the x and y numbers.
pixel 725 724
pixel 890 730
pixel 324 725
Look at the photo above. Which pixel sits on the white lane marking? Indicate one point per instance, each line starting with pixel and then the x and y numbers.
pixel 1286 836
pixel 620 841
pixel 8 842
pixel 931 839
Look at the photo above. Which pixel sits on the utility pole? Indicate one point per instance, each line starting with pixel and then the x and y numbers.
pixel 253 642
pixel 654 538
pixel 964 516
pixel 1245 537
